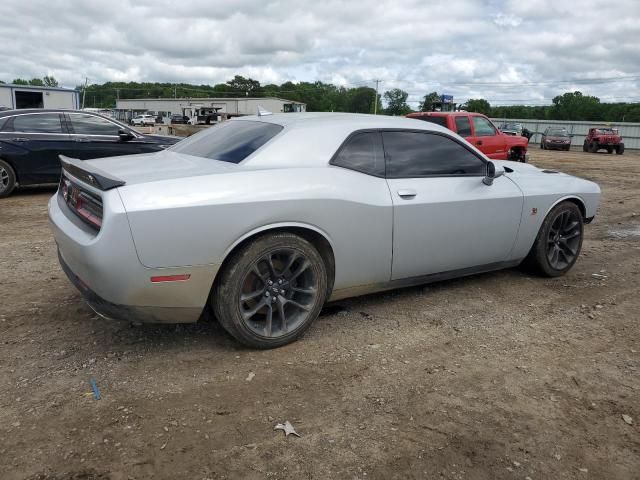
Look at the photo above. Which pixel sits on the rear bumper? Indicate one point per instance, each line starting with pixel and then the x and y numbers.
pixel 105 268
pixel 129 313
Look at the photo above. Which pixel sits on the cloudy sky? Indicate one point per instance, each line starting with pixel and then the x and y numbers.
pixel 524 51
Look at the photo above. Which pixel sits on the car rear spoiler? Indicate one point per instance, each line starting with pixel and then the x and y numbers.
pixel 89 174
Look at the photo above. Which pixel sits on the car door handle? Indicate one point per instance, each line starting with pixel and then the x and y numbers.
pixel 20 139
pixel 479 142
pixel 80 139
pixel 407 193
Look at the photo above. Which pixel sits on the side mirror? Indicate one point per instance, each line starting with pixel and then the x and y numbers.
pixel 124 135
pixel 493 172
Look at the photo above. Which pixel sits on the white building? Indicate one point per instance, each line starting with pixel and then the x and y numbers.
pixel 29 96
pixel 202 107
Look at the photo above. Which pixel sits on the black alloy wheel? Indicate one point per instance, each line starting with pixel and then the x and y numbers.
pixel 7 179
pixel 278 293
pixel 271 290
pixel 564 239
pixel 559 241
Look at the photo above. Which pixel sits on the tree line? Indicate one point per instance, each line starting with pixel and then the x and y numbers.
pixel 326 97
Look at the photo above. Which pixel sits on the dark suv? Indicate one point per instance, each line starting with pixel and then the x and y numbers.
pixel 555 138
pixel 31 140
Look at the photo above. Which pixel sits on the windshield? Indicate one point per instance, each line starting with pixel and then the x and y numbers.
pixel 231 141
pixel 558 132
pixel 606 131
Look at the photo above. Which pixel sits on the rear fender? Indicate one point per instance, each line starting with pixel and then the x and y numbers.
pixel 274 226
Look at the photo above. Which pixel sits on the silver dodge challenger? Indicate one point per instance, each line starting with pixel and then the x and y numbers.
pixel 265 218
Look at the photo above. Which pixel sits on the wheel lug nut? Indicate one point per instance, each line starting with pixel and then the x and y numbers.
pixel 266 294
pixel 270 282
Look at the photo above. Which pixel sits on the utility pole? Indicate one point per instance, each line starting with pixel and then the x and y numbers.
pixel 175 91
pixel 84 90
pixel 375 105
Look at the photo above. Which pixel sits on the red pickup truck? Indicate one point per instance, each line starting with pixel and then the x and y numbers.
pixel 480 132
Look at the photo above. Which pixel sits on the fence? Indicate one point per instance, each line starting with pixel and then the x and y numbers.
pixel 578 130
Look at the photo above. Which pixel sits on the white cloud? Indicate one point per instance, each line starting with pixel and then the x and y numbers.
pixel 454 46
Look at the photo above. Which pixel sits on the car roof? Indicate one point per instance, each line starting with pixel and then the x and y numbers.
pixel 23 111
pixel 310 139
pixel 354 121
pixel 442 114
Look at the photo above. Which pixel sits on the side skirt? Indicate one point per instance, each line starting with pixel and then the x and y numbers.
pixel 420 280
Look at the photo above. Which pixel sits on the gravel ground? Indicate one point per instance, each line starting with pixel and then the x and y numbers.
pixel 501 375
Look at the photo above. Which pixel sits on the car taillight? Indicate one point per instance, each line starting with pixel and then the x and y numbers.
pixel 81 202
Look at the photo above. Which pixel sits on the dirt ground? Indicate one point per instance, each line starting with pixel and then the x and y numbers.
pixel 501 375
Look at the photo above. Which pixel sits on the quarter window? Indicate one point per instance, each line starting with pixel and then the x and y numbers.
pixel 84 124
pixel 483 127
pixel 38 123
pixel 463 126
pixel 362 152
pixel 415 154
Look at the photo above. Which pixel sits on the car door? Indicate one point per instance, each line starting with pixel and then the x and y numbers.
pixel 444 217
pixel 487 138
pixel 95 137
pixel 31 143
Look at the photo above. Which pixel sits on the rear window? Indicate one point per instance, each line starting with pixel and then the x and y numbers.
pixel 442 121
pixel 229 141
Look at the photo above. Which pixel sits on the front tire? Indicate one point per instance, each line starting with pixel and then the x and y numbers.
pixel 559 241
pixel 593 147
pixel 7 179
pixel 271 290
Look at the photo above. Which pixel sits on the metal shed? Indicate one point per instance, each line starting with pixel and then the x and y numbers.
pixel 230 107
pixel 29 96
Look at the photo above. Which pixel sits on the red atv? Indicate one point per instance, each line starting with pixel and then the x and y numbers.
pixel 603 138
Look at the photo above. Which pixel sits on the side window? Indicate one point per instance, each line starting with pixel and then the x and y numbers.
pixel 38 123
pixel 84 124
pixel 483 127
pixel 463 126
pixel 414 154
pixel 362 152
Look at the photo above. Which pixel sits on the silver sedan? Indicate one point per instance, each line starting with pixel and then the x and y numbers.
pixel 264 219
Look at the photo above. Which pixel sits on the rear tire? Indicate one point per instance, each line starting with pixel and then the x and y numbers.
pixel 271 290
pixel 609 150
pixel 585 147
pixel 620 149
pixel 593 147
pixel 559 241
pixel 7 179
